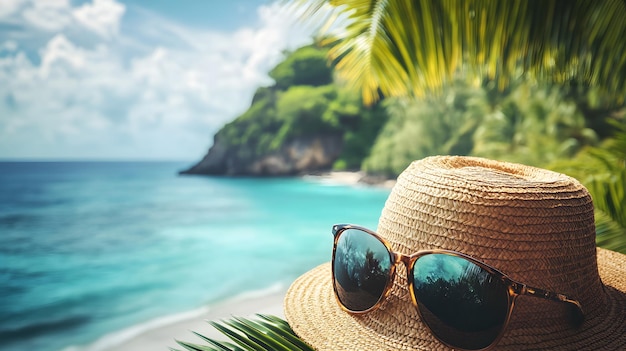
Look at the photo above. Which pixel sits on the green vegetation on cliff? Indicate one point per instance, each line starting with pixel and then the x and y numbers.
pixel 304 102
pixel 306 66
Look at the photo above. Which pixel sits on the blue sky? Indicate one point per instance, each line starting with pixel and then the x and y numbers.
pixel 134 79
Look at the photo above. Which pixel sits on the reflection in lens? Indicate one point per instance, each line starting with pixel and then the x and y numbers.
pixel 361 268
pixel 463 304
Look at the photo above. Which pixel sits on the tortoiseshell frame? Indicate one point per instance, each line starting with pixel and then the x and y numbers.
pixel 514 288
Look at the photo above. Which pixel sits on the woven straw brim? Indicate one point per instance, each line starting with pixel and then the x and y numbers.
pixel 312 311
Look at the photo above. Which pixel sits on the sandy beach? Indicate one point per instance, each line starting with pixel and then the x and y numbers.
pixel 161 334
pixel 352 178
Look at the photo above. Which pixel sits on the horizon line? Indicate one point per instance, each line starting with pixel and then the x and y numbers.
pixel 85 159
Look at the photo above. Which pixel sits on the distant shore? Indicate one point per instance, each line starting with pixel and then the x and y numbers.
pixel 352 178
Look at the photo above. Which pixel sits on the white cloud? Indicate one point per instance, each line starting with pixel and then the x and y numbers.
pixel 50 15
pixel 159 93
pixel 103 17
pixel 60 53
pixel 10 7
pixel 9 45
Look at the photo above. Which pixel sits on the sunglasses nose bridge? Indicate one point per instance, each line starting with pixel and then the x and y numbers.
pixel 406 259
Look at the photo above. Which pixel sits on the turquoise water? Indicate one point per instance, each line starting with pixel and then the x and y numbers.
pixel 91 248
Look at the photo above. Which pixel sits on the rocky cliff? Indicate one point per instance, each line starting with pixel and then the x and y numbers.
pixel 297 156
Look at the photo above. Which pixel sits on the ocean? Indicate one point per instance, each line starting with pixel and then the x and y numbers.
pixel 96 249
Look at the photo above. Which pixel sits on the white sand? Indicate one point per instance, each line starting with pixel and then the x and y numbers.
pixel 161 334
pixel 351 178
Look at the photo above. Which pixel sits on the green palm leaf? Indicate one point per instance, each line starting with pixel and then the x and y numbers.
pixel 406 47
pixel 264 332
pixel 603 171
pixel 609 233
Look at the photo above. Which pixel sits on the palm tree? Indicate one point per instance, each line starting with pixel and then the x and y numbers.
pixel 603 171
pixel 407 48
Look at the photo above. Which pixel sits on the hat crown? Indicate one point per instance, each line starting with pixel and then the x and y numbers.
pixel 535 225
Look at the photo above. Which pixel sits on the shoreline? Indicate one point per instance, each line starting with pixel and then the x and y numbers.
pixel 161 333
pixel 351 178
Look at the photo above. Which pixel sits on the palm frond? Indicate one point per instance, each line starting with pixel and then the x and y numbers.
pixel 603 171
pixel 400 47
pixel 265 332
pixel 609 234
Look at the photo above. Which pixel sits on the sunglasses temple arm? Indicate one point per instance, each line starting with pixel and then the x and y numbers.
pixel 575 308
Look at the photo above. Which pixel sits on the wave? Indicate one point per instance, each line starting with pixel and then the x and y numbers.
pixel 255 294
pixel 43 327
pixel 117 338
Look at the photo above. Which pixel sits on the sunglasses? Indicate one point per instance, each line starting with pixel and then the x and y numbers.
pixel 464 302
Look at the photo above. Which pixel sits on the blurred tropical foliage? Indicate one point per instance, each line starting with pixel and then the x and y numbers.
pixel 602 169
pixel 528 123
pixel 540 82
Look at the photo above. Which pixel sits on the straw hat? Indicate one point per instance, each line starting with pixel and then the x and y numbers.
pixel 535 225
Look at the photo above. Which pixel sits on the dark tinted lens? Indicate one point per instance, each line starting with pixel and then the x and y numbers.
pixel 361 268
pixel 463 304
